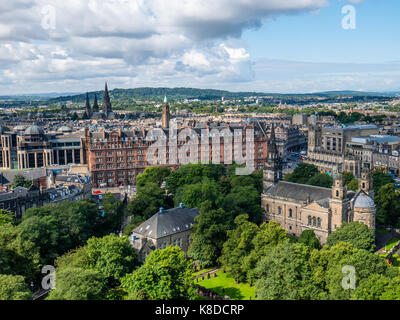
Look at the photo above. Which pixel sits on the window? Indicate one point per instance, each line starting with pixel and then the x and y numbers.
pixel 267 208
pixel 309 220
pixel 279 210
pixel 290 213
pixel 319 222
pixel 314 222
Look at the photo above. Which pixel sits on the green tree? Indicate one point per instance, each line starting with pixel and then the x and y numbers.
pixel 356 233
pixel 113 212
pixel 209 235
pixel 243 200
pixel 321 180
pixel 148 201
pixel 284 273
pixel 154 175
pixel 302 173
pixel 380 179
pixel 20 181
pixel 348 177
pixel 6 217
pixel 193 195
pixel 78 284
pixel 270 234
pixel 165 275
pixel 112 256
pixel 353 185
pixel 387 201
pixel 308 238
pixel 14 288
pixel 238 245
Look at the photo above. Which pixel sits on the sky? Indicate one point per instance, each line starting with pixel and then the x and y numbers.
pixel 276 46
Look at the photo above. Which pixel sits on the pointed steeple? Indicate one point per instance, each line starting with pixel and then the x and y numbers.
pixel 95 104
pixel 165 99
pixel 272 148
pixel 106 102
pixel 88 112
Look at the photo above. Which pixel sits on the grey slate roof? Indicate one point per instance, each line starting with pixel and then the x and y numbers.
pixel 299 192
pixel 168 222
pixel 363 200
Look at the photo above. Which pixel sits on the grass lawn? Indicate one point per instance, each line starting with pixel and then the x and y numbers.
pixel 241 291
pixel 391 244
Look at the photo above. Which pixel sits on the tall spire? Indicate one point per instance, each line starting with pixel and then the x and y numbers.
pixel 95 104
pixel 272 148
pixel 106 102
pixel 165 99
pixel 88 112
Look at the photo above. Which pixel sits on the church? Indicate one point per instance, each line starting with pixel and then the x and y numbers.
pixel 298 207
pixel 94 113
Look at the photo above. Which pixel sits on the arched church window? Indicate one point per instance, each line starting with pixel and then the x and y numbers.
pixel 290 213
pixel 279 210
pixel 337 193
pixel 309 220
pixel 314 222
pixel 267 208
pixel 319 222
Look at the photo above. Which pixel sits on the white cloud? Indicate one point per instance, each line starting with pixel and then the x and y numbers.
pixel 133 43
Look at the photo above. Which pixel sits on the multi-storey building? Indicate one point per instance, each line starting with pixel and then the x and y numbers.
pixel 327 147
pixel 33 148
pixel 116 157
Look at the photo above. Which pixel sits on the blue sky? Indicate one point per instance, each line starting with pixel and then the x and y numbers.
pixel 320 37
pixel 287 46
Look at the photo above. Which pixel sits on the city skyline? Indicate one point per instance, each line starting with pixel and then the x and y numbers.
pixel 298 46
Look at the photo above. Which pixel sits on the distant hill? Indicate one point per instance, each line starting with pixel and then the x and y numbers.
pixel 159 93
pixel 180 94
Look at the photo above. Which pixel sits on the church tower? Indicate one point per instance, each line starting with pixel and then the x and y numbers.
pixel 95 104
pixel 338 202
pixel 88 112
pixel 272 172
pixel 166 115
pixel 365 182
pixel 106 103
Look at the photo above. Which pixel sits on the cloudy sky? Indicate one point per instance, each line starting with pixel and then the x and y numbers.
pixel 240 45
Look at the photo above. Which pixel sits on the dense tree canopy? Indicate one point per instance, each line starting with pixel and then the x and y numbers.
pixel 166 274
pixel 14 288
pixel 209 235
pixel 387 202
pixel 356 233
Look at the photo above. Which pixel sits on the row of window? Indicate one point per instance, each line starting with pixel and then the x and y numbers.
pixel 313 221
pixel 176 242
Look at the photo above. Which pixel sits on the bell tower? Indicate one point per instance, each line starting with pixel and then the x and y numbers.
pixel 338 202
pixel 272 172
pixel 365 182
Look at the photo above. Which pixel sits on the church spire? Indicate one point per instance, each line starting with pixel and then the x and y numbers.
pixel 106 102
pixel 95 104
pixel 88 112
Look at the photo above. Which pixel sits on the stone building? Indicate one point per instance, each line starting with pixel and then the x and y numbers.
pixel 32 148
pixel 298 207
pixel 327 147
pixel 166 227
pixel 116 157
